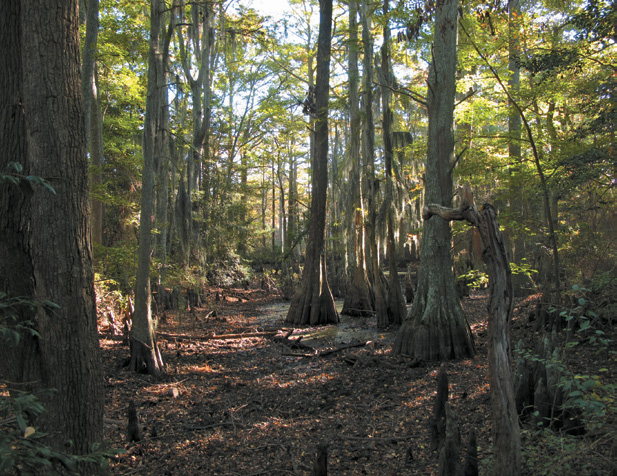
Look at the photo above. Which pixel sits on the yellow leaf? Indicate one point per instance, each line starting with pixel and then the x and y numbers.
pixel 29 432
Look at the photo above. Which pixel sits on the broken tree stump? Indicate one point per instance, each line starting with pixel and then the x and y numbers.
pixel 449 455
pixel 506 428
pixel 134 432
pixel 320 465
pixel 437 422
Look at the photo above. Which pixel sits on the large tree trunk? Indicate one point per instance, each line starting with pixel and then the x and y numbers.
pixel 436 328
pixel 144 350
pixel 314 304
pixel 45 249
pixel 506 429
pixel 358 300
pixel 396 302
pixel 196 54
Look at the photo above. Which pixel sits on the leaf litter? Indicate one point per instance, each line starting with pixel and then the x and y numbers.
pixel 255 405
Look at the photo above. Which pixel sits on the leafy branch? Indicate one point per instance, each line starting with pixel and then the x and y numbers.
pixel 25 182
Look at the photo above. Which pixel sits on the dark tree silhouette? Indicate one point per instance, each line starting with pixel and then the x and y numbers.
pixel 45 249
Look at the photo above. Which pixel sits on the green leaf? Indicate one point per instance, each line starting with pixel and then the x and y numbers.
pixel 17 167
pixel 585 325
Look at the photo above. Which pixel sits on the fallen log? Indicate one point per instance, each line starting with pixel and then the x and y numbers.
pixel 216 337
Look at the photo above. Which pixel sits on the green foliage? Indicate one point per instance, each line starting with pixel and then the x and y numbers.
pixel 475 279
pixel 595 21
pixel 546 453
pixel 585 395
pixel 25 182
pixel 117 264
pixel 523 268
pixel 23 449
pixel 12 322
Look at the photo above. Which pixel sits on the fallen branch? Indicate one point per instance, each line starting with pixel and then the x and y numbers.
pixel 381 439
pixel 293 343
pixel 214 425
pixel 297 354
pixel 323 353
pixel 217 337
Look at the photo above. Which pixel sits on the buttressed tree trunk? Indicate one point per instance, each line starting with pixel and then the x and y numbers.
pixel 368 153
pixel 358 300
pixel 314 304
pixel 436 328
pixel 45 249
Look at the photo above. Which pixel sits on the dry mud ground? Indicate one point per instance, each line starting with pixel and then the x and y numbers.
pixel 252 405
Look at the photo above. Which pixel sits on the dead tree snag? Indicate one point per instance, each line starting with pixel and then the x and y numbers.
pixel 505 418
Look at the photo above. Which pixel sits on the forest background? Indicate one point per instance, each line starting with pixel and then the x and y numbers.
pixel 200 121
pixel 232 166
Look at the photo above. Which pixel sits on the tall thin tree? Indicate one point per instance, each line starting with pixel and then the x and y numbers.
pixel 314 304
pixel 144 349
pixel 92 111
pixel 368 156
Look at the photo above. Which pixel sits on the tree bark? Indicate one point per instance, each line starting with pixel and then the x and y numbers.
pixel 45 249
pixel 314 303
pixel 396 302
pixel 144 350
pixel 436 328
pixel 505 416
pixel 92 112
pixel 162 153
pixel 358 300
pixel 368 153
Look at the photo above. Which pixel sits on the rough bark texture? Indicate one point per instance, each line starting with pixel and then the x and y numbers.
pixel 314 304
pixel 436 328
pixel 505 417
pixel 45 250
pixel 396 303
pixel 144 350
pixel 358 300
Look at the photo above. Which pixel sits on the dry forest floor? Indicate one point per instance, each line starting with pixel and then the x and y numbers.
pixel 251 404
